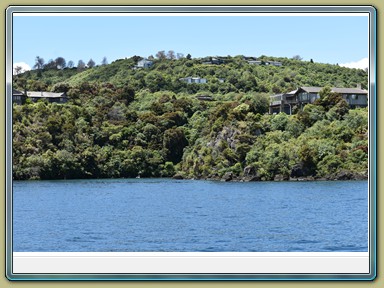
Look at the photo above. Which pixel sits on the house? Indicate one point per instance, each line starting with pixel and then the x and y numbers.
pixel 191 80
pixel 259 62
pixel 144 63
pixel 204 97
pixel 18 97
pixel 51 97
pixel 214 61
pixel 355 97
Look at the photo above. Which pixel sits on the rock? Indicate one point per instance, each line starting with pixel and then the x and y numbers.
pixel 280 177
pixel 178 177
pixel 348 175
pixel 250 174
pixel 344 175
pixel 227 177
pixel 249 171
pixel 251 179
pixel 360 176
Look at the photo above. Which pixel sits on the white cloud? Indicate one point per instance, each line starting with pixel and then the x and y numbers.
pixel 361 64
pixel 24 67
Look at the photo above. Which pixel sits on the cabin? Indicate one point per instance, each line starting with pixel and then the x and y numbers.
pixel 144 63
pixel 214 61
pixel 18 97
pixel 51 97
pixel 191 80
pixel 355 97
pixel 267 63
pixel 204 98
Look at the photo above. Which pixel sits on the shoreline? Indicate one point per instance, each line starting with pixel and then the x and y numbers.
pixel 218 179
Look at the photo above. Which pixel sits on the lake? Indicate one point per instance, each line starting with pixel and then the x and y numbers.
pixel 143 215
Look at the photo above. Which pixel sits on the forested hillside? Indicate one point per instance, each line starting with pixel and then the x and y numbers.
pixel 123 121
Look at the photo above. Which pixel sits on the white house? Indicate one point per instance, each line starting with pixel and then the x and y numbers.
pixel 60 97
pixel 144 63
pixel 259 62
pixel 190 80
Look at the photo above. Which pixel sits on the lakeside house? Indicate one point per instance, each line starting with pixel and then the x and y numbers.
pixel 52 97
pixel 144 63
pixel 355 97
pixel 191 80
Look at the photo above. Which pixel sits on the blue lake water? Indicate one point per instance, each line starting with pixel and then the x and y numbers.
pixel 142 215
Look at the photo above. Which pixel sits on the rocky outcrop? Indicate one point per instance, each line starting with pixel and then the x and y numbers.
pixel 250 174
pixel 228 135
pixel 227 177
pixel 280 177
pixel 178 177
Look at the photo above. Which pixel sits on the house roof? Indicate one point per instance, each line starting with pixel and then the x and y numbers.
pixel 42 94
pixel 349 91
pixel 311 89
pixel 335 90
pixel 292 92
pixel 145 61
pixel 190 77
pixel 17 92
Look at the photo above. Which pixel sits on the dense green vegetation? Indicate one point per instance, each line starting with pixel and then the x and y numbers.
pixel 125 122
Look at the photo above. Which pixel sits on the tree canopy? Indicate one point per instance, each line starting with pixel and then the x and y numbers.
pixel 122 121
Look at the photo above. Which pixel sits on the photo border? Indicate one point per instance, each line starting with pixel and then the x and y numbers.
pixel 188 9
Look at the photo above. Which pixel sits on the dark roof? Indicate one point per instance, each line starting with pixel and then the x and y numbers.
pixel 17 92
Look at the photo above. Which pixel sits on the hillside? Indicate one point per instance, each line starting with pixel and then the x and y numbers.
pixel 125 122
pixel 238 75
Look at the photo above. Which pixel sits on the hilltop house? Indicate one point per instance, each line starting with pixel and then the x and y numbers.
pixel 191 80
pixel 355 97
pixel 144 63
pixel 214 61
pixel 19 97
pixel 260 62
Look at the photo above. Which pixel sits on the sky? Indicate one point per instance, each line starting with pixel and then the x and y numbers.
pixel 339 40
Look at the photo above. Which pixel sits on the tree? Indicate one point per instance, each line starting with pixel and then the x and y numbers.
pixel 91 63
pixel 39 63
pixel 104 61
pixel 297 57
pixel 171 55
pixel 161 55
pixel 189 57
pixel 80 65
pixel 329 99
pixel 50 65
pixel 70 64
pixel 174 142
pixel 127 94
pixel 17 70
pixel 179 55
pixel 60 63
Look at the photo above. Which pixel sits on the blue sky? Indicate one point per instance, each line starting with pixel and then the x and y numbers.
pixel 325 39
